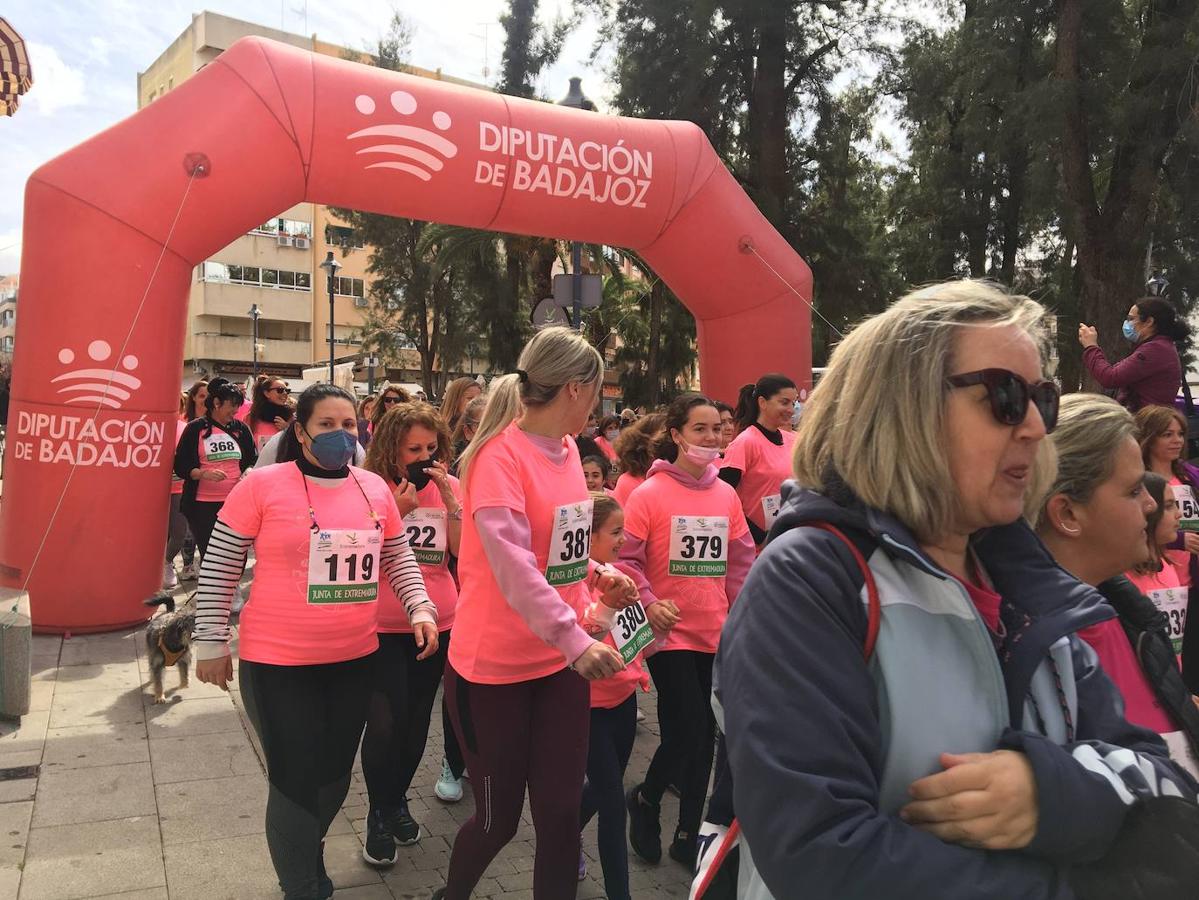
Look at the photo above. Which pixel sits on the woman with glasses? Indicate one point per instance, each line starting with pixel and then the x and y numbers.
pixel 908 712
pixel 270 413
pixel 390 397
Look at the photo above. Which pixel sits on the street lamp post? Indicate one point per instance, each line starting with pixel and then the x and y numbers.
pixel 330 265
pixel 576 99
pixel 255 312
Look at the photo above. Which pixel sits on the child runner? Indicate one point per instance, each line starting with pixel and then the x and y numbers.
pixel 686 541
pixel 595 468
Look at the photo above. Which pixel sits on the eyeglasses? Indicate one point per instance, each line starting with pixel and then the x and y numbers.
pixel 1010 395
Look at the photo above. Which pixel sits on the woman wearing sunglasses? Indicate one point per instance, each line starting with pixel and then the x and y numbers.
pixel 946 764
pixel 270 413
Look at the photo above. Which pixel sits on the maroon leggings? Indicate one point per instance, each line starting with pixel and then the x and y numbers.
pixel 530 734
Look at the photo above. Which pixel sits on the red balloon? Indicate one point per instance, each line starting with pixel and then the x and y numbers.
pixel 115 227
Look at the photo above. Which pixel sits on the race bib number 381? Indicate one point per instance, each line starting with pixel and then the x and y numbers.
pixel 343 566
pixel 699 546
pixel 570 544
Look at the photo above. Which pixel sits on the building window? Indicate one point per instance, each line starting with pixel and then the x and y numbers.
pixel 278 279
pixel 340 236
pixel 351 287
pixel 8 344
pixel 291 227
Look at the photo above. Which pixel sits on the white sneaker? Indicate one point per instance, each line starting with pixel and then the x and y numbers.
pixel 239 599
pixel 448 788
pixel 169 579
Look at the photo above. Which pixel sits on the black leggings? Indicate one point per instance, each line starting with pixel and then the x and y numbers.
pixel 397 726
pixel 309 720
pixel 683 679
pixel 612 734
pixel 531 734
pixel 201 519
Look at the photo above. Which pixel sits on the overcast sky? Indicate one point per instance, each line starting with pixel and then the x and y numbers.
pixel 86 57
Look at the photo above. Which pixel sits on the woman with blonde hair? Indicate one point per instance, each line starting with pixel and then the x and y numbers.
pixel 1162 435
pixel 968 743
pixel 516 679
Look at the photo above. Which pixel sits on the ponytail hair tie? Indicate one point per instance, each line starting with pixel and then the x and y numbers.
pixel 523 376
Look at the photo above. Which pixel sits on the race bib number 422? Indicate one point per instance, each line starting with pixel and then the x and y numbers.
pixel 570 544
pixel 343 566
pixel 699 546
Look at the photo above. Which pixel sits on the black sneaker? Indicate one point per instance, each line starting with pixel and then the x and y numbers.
pixel 645 832
pixel 683 850
pixel 380 846
pixel 324 884
pixel 402 826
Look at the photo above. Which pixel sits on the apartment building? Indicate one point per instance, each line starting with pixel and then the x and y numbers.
pixel 272 273
pixel 9 285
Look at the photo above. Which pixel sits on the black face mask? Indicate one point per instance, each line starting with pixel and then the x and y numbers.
pixel 418 473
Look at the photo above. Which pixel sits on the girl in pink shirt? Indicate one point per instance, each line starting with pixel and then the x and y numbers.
pixel 324 536
pixel 758 460
pixel 687 542
pixel 516 680
pixel 613 708
pixel 409 450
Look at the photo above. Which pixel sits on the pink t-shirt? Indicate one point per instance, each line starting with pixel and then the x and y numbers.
pixel 263 432
pixel 176 481
pixel 1141 706
pixel 1179 559
pixel 428 534
pixel 609 693
pixel 625 485
pixel 764 466
pixel 652 516
pixel 220 450
pixel 605 447
pixel 278 625
pixel 1169 595
pixel 492 642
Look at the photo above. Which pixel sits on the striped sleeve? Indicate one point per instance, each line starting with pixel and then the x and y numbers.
pixel 220 571
pixel 403 573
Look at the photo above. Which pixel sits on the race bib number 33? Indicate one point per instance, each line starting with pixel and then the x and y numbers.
pixel 699 546
pixel 343 566
pixel 570 544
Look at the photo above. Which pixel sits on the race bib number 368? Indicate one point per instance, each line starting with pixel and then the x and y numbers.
pixel 570 544
pixel 699 546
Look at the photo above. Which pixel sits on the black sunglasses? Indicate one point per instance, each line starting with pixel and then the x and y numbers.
pixel 280 390
pixel 1010 395
pixel 388 400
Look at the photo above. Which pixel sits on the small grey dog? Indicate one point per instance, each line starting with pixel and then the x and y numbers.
pixel 169 640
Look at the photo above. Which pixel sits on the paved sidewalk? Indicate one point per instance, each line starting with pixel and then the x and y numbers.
pixel 145 802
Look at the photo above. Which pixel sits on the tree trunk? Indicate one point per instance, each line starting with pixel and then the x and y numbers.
pixel 654 383
pixel 1110 280
pixel 768 115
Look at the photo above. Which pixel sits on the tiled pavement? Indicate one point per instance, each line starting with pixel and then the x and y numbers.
pixel 144 802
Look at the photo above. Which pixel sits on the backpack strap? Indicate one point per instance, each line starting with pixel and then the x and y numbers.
pixel 873 619
pixel 874 607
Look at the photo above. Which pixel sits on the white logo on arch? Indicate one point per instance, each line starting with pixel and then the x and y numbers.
pixel 422 160
pixel 109 387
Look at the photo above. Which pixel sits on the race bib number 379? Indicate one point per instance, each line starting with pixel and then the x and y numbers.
pixel 570 544
pixel 699 546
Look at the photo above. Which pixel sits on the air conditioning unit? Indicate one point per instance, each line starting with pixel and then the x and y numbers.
pixel 284 240
pixel 302 243
pixel 360 302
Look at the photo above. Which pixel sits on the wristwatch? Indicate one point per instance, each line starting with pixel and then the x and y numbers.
pixel 456 515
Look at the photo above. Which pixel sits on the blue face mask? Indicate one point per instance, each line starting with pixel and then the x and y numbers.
pixel 1130 333
pixel 333 449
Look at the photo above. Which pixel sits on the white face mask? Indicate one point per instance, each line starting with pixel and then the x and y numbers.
pixel 612 434
pixel 700 456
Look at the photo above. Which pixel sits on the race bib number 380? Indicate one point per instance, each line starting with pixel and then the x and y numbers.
pixel 632 632
pixel 699 546
pixel 570 544
pixel 343 566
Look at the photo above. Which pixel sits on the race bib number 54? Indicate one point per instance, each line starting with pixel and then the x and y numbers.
pixel 570 544
pixel 699 546
pixel 1185 498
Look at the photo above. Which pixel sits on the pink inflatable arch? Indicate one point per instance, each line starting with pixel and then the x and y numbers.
pixel 91 422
